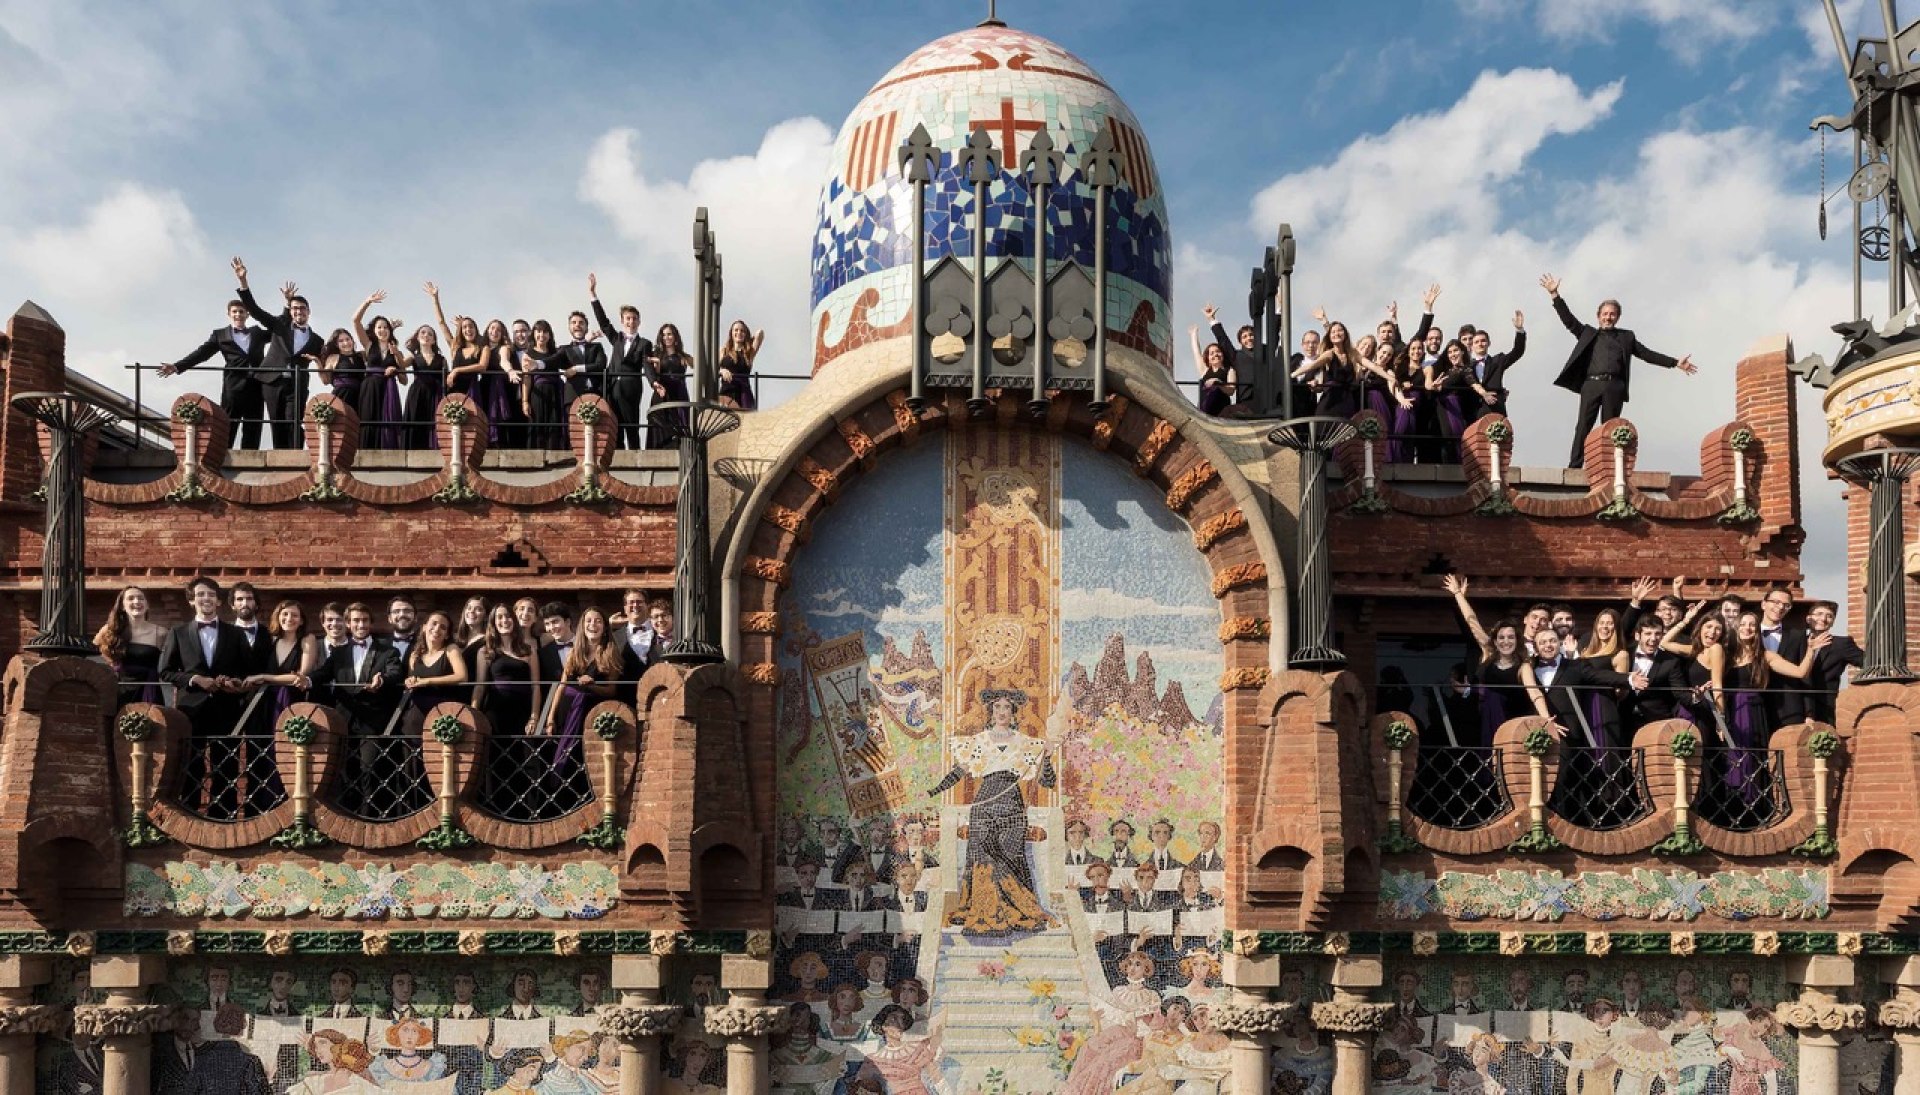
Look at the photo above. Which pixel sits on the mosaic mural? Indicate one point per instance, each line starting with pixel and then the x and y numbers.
pixel 436 1026
pixel 1643 894
pixel 449 890
pixel 1000 789
pixel 1008 83
pixel 1563 1027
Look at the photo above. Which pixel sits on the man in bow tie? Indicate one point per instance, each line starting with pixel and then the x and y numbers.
pixel 630 374
pixel 557 618
pixel 206 661
pixel 242 348
pixel 365 675
pixel 295 346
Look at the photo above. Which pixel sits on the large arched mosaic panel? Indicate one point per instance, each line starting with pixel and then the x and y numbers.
pixel 1001 777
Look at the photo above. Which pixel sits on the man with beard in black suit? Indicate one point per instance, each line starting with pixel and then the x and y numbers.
pixel 242 349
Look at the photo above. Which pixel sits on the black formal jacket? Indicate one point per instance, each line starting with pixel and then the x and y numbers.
pixel 260 654
pixel 1574 373
pixel 368 711
pixel 1667 687
pixel 1581 677
pixel 181 659
pixel 283 360
pixel 630 357
pixel 239 363
pixel 1497 365
pixel 631 664
pixel 1823 680
pixel 591 357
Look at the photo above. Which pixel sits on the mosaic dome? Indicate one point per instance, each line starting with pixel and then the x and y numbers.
pixel 1010 83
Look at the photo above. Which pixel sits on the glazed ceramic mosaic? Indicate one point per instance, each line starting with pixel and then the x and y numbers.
pixel 428 1026
pixel 1565 1027
pixel 450 890
pixel 1545 896
pixel 1000 747
pixel 1009 84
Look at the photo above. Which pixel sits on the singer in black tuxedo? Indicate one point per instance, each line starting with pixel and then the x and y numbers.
pixel 241 349
pixel 283 385
pixel 630 374
pixel 1600 367
pixel 211 709
pixel 368 707
pixel 582 361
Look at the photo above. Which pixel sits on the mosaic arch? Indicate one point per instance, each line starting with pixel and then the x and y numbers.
pixel 1009 83
pixel 1000 786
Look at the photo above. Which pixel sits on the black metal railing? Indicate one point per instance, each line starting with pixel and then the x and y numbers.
pixel 230 778
pixel 1459 787
pixel 533 777
pixel 1601 788
pixel 1742 790
pixel 382 778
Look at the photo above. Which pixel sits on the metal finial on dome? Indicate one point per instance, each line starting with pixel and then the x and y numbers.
pixel 993 18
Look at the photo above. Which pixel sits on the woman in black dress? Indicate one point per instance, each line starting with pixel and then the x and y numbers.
pixel 546 389
pixel 131 644
pixel 1334 374
pixel 436 670
pixel 671 364
pixel 1451 386
pixel 736 365
pixel 343 368
pixel 471 632
pixel 1216 376
pixel 427 387
pixel 507 679
pixel 466 359
pixel 296 655
pixel 382 405
pixel 1506 686
pixel 997 891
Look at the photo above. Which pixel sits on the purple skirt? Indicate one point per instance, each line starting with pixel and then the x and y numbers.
pixel 1400 423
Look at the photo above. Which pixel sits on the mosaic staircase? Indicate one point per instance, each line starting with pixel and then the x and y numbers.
pixel 986 1010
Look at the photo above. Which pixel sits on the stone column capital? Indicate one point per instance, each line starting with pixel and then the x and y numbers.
pixel 1899 1012
pixel 34 1019
pixel 629 1023
pixel 109 1020
pixel 737 1021
pixel 1252 1020
pixel 1350 1016
pixel 1819 1013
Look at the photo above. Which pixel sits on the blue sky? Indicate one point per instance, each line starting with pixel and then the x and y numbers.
pixel 1651 149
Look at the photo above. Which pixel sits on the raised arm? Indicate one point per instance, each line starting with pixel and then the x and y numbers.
pixel 279 325
pixel 1456 585
pixel 1567 319
pixel 360 316
pixel 1193 341
pixel 1670 641
pixel 1519 349
pixel 599 310
pixel 1426 313
pixel 446 332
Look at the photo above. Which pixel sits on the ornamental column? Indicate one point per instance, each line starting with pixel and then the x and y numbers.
pixel 124 1026
pixel 1884 472
pixel 1251 1019
pixel 639 1021
pixel 1353 1021
pixel 1900 1014
pixel 747 1020
pixel 1818 1016
pixel 21 1020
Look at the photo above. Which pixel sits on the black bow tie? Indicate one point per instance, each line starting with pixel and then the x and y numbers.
pixel 203 626
pixel 361 645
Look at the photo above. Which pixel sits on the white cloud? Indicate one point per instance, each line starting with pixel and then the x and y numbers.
pixel 127 241
pixel 1698 233
pixel 761 207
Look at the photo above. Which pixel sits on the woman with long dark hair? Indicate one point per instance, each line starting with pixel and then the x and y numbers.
pixel 466 354
pixel 498 390
pixel 546 389
pixel 1504 678
pixel 671 364
pixel 131 643
pixel 343 368
pixel 587 677
pixel 736 365
pixel 1216 375
pixel 1450 384
pixel 382 405
pixel 1742 671
pixel 296 654
pixel 426 388
pixel 436 670
pixel 1335 372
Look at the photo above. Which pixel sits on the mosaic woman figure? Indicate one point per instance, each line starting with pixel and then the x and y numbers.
pixel 902 1063
pixel 997 892
pixel 342 1065
pixel 415 1061
pixel 1126 1015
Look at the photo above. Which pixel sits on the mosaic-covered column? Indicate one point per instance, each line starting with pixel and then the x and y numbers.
pixel 1900 1015
pixel 1251 1019
pixel 1353 1021
pixel 1817 1017
pixel 22 1020
pixel 124 1026
pixel 639 1022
